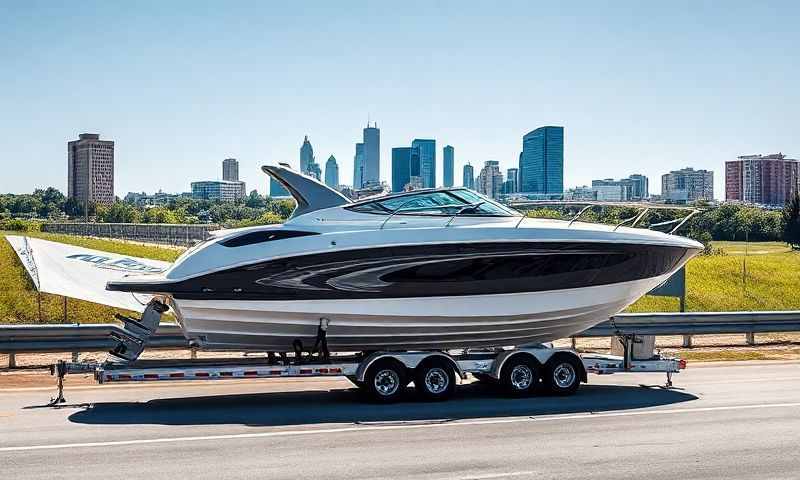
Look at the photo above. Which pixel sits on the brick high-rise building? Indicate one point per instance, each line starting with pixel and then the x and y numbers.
pixel 90 169
pixel 762 179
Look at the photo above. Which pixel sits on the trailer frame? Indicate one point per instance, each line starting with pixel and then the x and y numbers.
pixel 486 364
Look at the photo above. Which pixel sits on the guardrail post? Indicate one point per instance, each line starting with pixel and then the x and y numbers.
pixel 574 342
pixel 687 341
pixel 194 354
pixel 12 360
pixel 751 338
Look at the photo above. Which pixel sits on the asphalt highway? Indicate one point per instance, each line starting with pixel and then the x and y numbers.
pixel 724 421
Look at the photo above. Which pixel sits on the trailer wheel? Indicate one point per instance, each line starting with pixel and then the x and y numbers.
pixel 386 380
pixel 520 376
pixel 562 375
pixel 435 380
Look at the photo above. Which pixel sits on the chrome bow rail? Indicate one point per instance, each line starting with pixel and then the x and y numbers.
pixel 644 208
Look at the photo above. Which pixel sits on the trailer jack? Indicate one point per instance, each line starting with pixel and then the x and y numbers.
pixel 60 370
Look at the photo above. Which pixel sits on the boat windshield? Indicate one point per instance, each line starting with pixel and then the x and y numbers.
pixel 438 202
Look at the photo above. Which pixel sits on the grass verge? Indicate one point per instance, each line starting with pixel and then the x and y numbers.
pixel 718 283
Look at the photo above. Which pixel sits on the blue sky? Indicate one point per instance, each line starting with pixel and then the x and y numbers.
pixel 639 86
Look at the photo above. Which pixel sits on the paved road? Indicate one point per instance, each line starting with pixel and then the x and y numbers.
pixel 727 421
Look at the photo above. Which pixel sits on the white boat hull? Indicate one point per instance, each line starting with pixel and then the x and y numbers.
pixel 406 323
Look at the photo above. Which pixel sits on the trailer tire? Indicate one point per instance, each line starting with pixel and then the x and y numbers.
pixel 435 380
pixel 385 381
pixel 562 375
pixel 520 376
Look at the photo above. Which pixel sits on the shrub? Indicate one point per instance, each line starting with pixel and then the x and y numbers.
pixel 19 225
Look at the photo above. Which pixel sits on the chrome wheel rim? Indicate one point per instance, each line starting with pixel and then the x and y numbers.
pixel 521 377
pixel 564 375
pixel 436 380
pixel 387 382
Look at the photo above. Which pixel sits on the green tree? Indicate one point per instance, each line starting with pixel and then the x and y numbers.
pixel 120 212
pixel 791 221
pixel 72 207
pixel 159 215
pixel 254 200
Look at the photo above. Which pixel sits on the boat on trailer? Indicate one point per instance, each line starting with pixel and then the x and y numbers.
pixel 422 270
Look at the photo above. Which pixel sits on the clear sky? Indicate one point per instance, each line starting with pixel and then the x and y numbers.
pixel 639 86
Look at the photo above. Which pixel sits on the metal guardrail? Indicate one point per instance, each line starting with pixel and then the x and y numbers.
pixel 82 338
pixel 696 323
pixel 78 338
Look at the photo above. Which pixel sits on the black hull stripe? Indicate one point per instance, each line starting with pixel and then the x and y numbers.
pixel 429 271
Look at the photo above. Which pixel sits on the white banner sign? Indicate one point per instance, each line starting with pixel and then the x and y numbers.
pixel 82 273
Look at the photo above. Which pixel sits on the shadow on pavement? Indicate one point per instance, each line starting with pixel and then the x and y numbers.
pixel 346 406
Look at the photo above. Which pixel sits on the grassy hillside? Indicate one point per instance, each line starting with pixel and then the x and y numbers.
pixel 18 299
pixel 714 283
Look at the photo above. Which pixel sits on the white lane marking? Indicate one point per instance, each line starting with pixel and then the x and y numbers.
pixel 367 428
pixel 489 476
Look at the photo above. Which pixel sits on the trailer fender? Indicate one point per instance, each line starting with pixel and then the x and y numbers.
pixel 503 358
pixel 410 360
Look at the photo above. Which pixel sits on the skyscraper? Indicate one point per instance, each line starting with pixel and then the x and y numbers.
pixel 490 180
pixel 512 180
pixel 401 168
pixel 541 163
pixel 358 167
pixel 372 155
pixel 230 170
pixel 90 169
pixel 332 173
pixel 449 164
pixel 468 177
pixel 427 161
pixel 762 179
pixel 308 165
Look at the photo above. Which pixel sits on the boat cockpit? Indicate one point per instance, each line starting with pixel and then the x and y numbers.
pixel 435 202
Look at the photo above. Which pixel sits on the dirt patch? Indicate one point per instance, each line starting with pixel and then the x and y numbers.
pixel 32 368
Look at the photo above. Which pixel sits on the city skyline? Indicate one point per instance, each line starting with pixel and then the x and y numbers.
pixel 230 170
pixel 163 99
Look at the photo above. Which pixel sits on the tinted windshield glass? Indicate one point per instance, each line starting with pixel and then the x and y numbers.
pixel 453 202
pixel 434 201
pixel 486 206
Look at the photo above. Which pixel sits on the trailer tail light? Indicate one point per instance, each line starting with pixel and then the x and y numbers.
pixel 681 364
pixel 250 373
pixel 151 376
pixel 176 375
pixel 201 374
